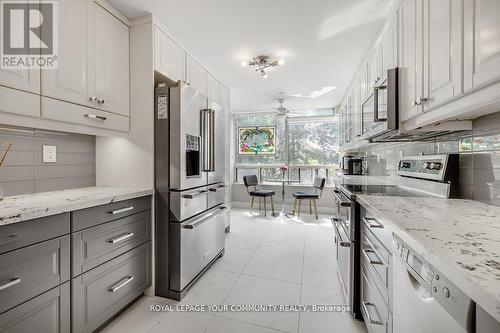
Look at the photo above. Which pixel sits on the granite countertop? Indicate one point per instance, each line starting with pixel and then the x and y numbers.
pixel 20 208
pixel 460 238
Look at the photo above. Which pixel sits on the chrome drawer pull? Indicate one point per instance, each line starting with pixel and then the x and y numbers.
pixel 365 307
pixel 11 283
pixel 216 189
pixel 121 284
pixel 340 239
pixel 376 261
pixel 339 199
pixel 93 116
pixel 121 210
pixel 121 238
pixel 9 239
pixel 194 195
pixel 377 224
pixel 205 218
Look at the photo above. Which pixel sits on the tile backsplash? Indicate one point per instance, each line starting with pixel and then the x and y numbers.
pixel 479 158
pixel 24 172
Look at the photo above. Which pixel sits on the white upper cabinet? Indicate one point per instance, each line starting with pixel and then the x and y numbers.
pixel 389 45
pixel 442 52
pixel 482 43
pixel 72 79
pixel 111 54
pixel 374 67
pixel 169 57
pixel 196 75
pixel 410 75
pixel 21 79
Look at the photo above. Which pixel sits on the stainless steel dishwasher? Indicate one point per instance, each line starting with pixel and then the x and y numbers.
pixel 424 300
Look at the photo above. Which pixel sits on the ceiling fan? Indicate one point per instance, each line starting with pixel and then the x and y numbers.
pixel 281 110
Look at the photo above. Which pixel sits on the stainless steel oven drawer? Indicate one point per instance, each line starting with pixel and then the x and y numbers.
pixel 186 204
pixel 216 195
pixel 32 270
pixel 376 313
pixel 195 243
pixel 94 246
pixel 103 291
pixel 345 249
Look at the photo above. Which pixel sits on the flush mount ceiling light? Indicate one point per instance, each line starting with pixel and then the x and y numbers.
pixel 317 93
pixel 261 63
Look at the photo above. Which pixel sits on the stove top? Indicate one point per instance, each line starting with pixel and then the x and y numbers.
pixel 382 190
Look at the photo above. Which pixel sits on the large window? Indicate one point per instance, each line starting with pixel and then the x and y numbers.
pixel 307 142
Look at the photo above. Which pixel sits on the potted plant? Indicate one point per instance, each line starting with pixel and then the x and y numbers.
pixel 1 163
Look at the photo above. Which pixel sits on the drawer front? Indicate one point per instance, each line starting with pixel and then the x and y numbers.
pixel 199 240
pixel 17 235
pixel 382 234
pixel 187 204
pixel 94 246
pixel 48 312
pixel 72 113
pixel 32 270
pixel 216 195
pixel 90 217
pixel 100 293
pixel 376 258
pixel 375 311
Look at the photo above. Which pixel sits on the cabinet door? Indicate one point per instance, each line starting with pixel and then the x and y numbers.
pixel 389 44
pixel 214 89
pixel 21 79
pixel 196 75
pixel 70 81
pixel 49 312
pixel 363 82
pixel 481 43
pixel 374 68
pixel 410 76
pixel 442 52
pixel 169 57
pixel 111 47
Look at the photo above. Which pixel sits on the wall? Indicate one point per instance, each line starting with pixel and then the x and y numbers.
pixel 479 158
pixel 24 172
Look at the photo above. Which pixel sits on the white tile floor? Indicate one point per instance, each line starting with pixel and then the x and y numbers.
pixel 267 261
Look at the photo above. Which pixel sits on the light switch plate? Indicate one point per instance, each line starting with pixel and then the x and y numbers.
pixel 49 154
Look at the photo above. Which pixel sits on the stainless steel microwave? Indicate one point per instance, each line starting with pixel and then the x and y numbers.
pixel 380 110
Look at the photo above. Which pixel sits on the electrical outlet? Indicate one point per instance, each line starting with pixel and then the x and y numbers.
pixel 49 154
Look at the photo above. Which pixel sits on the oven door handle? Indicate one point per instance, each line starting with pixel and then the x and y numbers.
pixel 341 241
pixel 339 199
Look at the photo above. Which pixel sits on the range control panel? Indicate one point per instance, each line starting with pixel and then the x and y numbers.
pixel 432 167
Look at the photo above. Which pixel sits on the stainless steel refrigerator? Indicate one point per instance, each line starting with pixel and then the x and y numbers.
pixel 189 170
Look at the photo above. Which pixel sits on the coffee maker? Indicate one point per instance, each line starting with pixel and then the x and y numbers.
pixel 352 165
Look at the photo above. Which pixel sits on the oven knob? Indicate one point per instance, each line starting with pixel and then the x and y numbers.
pixel 446 292
pixel 404 165
pixel 435 166
pixel 428 165
pixel 434 289
pixel 437 276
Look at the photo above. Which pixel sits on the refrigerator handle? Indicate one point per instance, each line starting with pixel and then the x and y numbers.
pixel 208 139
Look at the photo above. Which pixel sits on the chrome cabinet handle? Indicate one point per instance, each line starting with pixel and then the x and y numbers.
pixel 100 101
pixel 194 195
pixel 365 307
pixel 371 225
pixel 377 261
pixel 93 116
pixel 419 101
pixel 339 199
pixel 122 283
pixel 11 283
pixel 121 210
pixel 9 239
pixel 342 242
pixel 93 99
pixel 120 238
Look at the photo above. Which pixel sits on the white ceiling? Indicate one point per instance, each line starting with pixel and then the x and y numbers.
pixel 322 41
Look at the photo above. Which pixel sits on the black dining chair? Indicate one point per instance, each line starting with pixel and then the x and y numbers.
pixel 252 181
pixel 319 185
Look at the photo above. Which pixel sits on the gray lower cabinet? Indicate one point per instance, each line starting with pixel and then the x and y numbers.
pixel 94 246
pixel 103 291
pixel 48 312
pixel 30 271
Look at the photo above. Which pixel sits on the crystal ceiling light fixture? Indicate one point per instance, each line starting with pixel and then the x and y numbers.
pixel 262 63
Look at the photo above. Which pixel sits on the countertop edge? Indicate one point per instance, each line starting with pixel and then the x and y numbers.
pixel 65 207
pixel 484 299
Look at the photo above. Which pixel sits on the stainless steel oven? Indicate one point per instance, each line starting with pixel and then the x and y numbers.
pixel 343 223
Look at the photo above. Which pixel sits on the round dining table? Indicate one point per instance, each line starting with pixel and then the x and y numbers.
pixel 282 213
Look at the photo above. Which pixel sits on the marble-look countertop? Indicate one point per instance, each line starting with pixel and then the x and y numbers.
pixel 20 208
pixel 460 238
